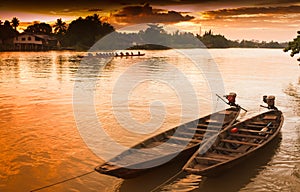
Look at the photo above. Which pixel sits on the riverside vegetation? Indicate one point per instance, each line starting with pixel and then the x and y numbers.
pixel 76 36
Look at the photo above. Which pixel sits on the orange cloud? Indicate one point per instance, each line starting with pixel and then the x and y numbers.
pixel 251 11
pixel 146 14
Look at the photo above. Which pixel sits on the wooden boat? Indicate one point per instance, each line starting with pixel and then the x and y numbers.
pixel 174 144
pixel 108 55
pixel 134 55
pixel 235 144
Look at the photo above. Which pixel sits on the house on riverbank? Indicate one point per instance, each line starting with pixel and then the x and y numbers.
pixel 30 42
pixel 34 42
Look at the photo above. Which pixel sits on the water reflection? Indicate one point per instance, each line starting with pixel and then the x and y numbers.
pixel 10 68
pixel 294 91
pixel 40 143
pixel 157 177
pixel 233 179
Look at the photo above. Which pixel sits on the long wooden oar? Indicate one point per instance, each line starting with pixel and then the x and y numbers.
pixel 264 106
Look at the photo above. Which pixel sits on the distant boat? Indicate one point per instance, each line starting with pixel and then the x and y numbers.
pixel 109 55
pixel 134 55
pixel 184 140
pixel 235 144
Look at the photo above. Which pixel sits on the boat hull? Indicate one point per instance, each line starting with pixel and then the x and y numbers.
pixel 197 165
pixel 172 145
pixel 129 173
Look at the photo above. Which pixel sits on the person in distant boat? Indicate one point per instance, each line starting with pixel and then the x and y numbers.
pixel 117 55
pixel 139 53
pixel 131 53
pixel 122 54
pixel 127 54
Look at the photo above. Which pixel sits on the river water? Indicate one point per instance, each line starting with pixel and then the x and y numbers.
pixel 53 103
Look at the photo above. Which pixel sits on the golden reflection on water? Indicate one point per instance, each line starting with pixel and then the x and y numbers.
pixel 38 132
pixel 40 143
pixel 39 139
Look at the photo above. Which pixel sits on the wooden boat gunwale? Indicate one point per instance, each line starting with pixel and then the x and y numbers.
pixel 188 149
pixel 211 170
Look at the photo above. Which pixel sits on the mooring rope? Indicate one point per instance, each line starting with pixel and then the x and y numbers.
pixel 156 188
pixel 63 181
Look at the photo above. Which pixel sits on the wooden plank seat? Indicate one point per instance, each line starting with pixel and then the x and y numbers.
pixel 185 139
pixel 211 121
pixel 247 136
pixel 216 122
pixel 195 134
pixel 210 126
pixel 270 117
pixel 262 123
pixel 255 131
pixel 239 142
pixel 203 130
pixel 218 156
pixel 259 126
pixel 227 150
pixel 199 158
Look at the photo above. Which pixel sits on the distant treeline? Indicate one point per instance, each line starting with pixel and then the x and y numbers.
pixel 219 41
pixel 83 33
pixel 156 35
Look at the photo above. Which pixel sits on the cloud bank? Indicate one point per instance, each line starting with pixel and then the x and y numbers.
pixel 146 14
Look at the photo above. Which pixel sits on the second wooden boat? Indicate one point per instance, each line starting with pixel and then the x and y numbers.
pixel 174 144
pixel 130 55
pixel 235 144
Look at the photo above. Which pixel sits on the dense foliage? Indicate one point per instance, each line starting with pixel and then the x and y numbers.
pixel 83 33
pixel 294 46
pixel 39 28
pixel 155 34
pixel 7 31
pixel 80 34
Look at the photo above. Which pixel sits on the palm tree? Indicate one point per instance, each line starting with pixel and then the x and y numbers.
pixel 15 22
pixel 60 27
pixel 96 18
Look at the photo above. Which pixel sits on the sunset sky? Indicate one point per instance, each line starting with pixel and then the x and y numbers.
pixel 267 20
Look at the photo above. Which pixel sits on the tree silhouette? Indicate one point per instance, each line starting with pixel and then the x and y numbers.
pixel 7 23
pixel 94 18
pixel 83 33
pixel 60 27
pixel 15 22
pixel 214 41
pixel 39 28
pixel 6 31
pixel 154 34
pixel 294 46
